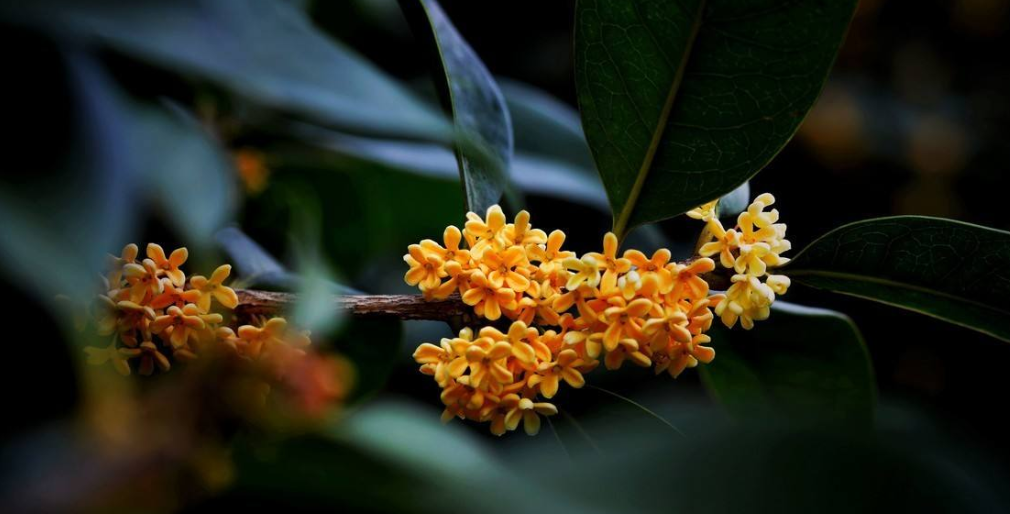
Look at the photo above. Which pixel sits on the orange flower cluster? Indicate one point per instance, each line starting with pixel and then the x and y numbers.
pixel 605 306
pixel 156 316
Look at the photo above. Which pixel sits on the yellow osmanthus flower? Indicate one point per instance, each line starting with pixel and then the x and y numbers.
pixel 571 313
pixel 612 265
pixel 214 288
pixel 158 319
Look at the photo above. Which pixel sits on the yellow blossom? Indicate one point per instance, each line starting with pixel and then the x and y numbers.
pixel 487 299
pixel 521 233
pixel 626 349
pixel 656 266
pixel 531 414
pixel 143 281
pixel 169 266
pixel 704 212
pixel 624 320
pixel 483 234
pixel 257 338
pixel 99 356
pixel 451 252
pixel 550 256
pixel 687 282
pixel 564 367
pixel 426 270
pixel 612 265
pixel 214 288
pixel 178 324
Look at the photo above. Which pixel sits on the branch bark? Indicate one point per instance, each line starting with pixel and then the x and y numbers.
pixel 404 307
pixel 401 307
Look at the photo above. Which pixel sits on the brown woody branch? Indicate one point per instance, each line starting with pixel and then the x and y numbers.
pixel 404 307
pixel 401 307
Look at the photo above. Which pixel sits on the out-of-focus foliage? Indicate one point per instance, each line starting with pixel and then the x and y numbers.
pixel 806 364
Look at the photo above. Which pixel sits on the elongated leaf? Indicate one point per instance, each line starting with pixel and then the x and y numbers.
pixel 801 363
pixel 484 130
pixel 547 127
pixel 947 269
pixel 684 101
pixel 264 50
pixel 532 173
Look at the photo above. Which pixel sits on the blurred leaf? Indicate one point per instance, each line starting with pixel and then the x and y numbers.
pixel 469 92
pixel 388 446
pixel 532 173
pixel 802 363
pixel 187 174
pixel 264 50
pixel 127 155
pixel 733 467
pixel 684 101
pixel 735 201
pixel 253 265
pixel 547 127
pixel 942 268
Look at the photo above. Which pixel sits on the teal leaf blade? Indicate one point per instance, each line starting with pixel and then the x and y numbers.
pixel 263 51
pixel 954 271
pixel 484 141
pixel 684 101
pixel 802 364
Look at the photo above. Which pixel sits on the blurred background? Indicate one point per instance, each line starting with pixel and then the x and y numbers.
pixel 911 121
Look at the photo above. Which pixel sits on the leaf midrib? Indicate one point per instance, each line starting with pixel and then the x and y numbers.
pixel 622 220
pixel 893 283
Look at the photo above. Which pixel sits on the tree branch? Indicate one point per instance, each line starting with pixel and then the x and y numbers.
pixel 412 307
pixel 452 310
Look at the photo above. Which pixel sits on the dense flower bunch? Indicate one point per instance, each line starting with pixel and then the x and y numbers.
pixel 604 306
pixel 750 248
pixel 155 316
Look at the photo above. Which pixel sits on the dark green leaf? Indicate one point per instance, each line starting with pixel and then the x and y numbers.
pixel 684 101
pixel 947 269
pixel 469 92
pixel 801 363
pixel 264 50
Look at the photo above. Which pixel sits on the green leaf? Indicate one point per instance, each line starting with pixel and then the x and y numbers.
pixel 263 50
pixel 801 363
pixel 684 101
pixel 942 268
pixel 484 131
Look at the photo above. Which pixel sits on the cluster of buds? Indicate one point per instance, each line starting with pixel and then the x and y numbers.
pixel 571 312
pixel 155 316
pixel 750 248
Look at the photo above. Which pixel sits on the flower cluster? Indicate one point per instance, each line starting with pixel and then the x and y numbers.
pixel 606 306
pixel 155 316
pixel 750 248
